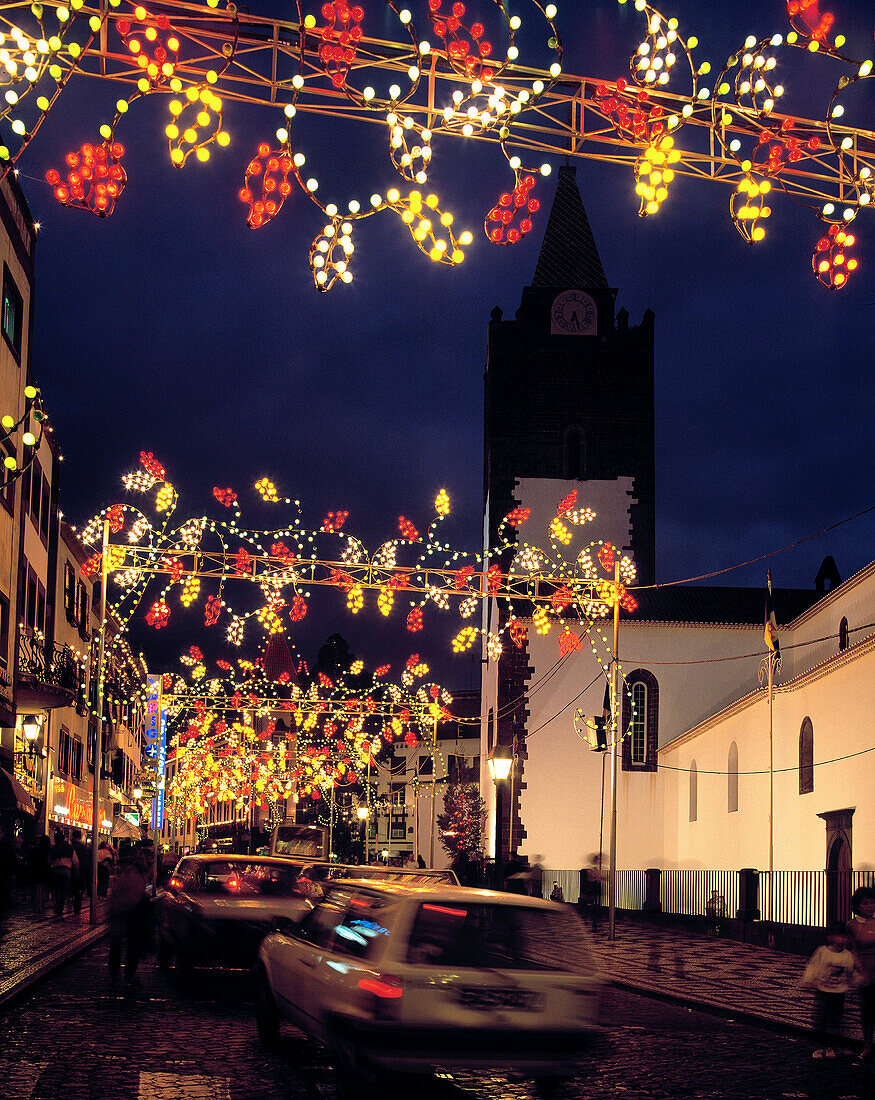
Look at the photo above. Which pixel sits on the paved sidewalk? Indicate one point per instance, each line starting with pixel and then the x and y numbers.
pixel 735 979
pixel 33 945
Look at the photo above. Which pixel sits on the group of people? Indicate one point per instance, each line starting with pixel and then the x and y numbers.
pixel 846 961
pixel 57 871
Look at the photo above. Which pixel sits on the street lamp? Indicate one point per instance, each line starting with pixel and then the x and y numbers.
pixel 362 815
pixel 31 726
pixel 500 762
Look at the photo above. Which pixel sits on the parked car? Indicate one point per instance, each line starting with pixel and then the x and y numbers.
pixel 217 908
pixel 420 979
pixel 315 875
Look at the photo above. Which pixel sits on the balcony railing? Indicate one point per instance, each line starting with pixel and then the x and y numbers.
pixel 47 663
pixel 30 772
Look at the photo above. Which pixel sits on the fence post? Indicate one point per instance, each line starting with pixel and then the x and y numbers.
pixel 748 894
pixel 652 904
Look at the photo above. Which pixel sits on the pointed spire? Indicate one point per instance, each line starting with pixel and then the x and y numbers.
pixel 278 664
pixel 569 257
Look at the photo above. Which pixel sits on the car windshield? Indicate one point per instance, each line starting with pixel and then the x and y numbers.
pixel 237 878
pixel 511 937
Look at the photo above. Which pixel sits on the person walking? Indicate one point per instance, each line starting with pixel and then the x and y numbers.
pixel 861 934
pixel 829 975
pixel 81 880
pixel 104 868
pixel 39 869
pixel 8 861
pixel 126 902
pixel 63 860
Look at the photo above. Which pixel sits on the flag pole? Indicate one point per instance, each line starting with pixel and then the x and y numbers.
pixel 770 665
pixel 612 886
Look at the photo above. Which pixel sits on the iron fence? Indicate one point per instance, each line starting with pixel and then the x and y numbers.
pixel 810 899
pixel 47 662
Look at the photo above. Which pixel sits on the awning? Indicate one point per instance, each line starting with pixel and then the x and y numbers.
pixel 20 798
pixel 124 829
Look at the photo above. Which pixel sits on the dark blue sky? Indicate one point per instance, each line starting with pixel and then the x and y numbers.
pixel 174 328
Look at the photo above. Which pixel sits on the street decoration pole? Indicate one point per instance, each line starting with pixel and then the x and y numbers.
pixel 612 891
pixel 97 754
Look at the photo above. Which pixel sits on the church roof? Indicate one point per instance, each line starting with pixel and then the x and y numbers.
pixel 569 257
pixel 719 605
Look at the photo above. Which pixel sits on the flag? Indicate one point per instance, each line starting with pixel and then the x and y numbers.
pixel 602 723
pixel 770 624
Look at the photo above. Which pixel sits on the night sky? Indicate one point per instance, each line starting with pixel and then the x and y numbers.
pixel 174 328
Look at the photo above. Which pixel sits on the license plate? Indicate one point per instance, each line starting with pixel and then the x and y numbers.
pixel 524 999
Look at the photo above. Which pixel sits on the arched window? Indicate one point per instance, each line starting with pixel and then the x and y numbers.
pixel 574 453
pixel 843 635
pixel 640 721
pixel 638 725
pixel 732 779
pixel 694 792
pixel 806 757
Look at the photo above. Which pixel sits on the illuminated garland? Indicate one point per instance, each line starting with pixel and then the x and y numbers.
pixel 337 729
pixel 283 566
pixel 326 59
pixel 13 467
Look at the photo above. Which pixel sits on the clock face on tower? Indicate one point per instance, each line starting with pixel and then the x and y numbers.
pixel 573 313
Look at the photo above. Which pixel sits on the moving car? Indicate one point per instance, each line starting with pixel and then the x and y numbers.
pixel 314 876
pixel 422 979
pixel 217 908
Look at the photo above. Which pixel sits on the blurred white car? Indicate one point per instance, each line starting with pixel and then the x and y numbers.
pixel 437 978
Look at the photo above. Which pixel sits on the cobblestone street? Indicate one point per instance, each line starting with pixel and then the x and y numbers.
pixel 74 1036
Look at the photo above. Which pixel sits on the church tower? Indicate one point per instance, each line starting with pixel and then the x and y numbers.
pixel 568 405
pixel 569 389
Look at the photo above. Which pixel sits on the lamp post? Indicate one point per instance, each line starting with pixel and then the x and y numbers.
pixel 362 814
pixel 500 762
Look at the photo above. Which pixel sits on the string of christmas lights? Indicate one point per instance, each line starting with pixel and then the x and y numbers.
pixel 464 79
pixel 414 571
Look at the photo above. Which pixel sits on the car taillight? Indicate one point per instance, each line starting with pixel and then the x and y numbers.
pixel 175 884
pixel 385 988
pixel 233 884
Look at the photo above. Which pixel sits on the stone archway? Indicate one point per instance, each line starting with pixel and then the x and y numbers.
pixel 839 864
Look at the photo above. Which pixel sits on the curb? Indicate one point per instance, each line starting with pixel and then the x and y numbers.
pixel 35 972
pixel 718 1008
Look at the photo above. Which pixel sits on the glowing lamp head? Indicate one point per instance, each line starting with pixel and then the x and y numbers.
pixel 499 762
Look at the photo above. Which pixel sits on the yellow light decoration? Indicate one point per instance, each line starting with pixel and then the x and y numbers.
pixel 115 558
pixel 653 174
pixel 464 639
pixel 197 123
pixel 442 503
pixel 166 498
pixel 355 599
pixel 267 489
pixel 422 216
pixel 385 600
pixel 356 667
pixel 190 591
pixel 749 206
pixel 559 531
pixel 541 620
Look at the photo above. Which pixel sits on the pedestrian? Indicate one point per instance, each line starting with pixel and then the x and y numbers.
pixel 591 880
pixel 861 933
pixel 8 862
pixel 715 911
pixel 39 868
pixel 556 893
pixel 420 862
pixel 829 975
pixel 104 868
pixel 126 902
pixel 64 860
pixel 81 880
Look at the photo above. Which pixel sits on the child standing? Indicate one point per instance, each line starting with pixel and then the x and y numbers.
pixel 829 974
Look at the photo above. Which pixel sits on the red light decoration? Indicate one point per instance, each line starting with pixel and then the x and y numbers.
pixel 152 466
pixel 462 577
pixel 632 113
pixel 569 642
pixel 567 503
pixel 517 204
pixel 91 567
pixel 605 554
pixel 158 615
pixel 95 179
pixel 493 579
pixel 518 516
pixel 340 36
pixel 298 610
pixel 116 517
pixel 153 44
pixel 280 550
pixel 408 530
pixel 831 262
pixel 382 670
pixel 414 620
pixel 334 521
pixel 518 633
pixel 808 21
pixel 272 167
pixel 562 598
pixel 243 563
pixel 225 496
pixel 467 50
pixel 226 665
pixel 212 608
